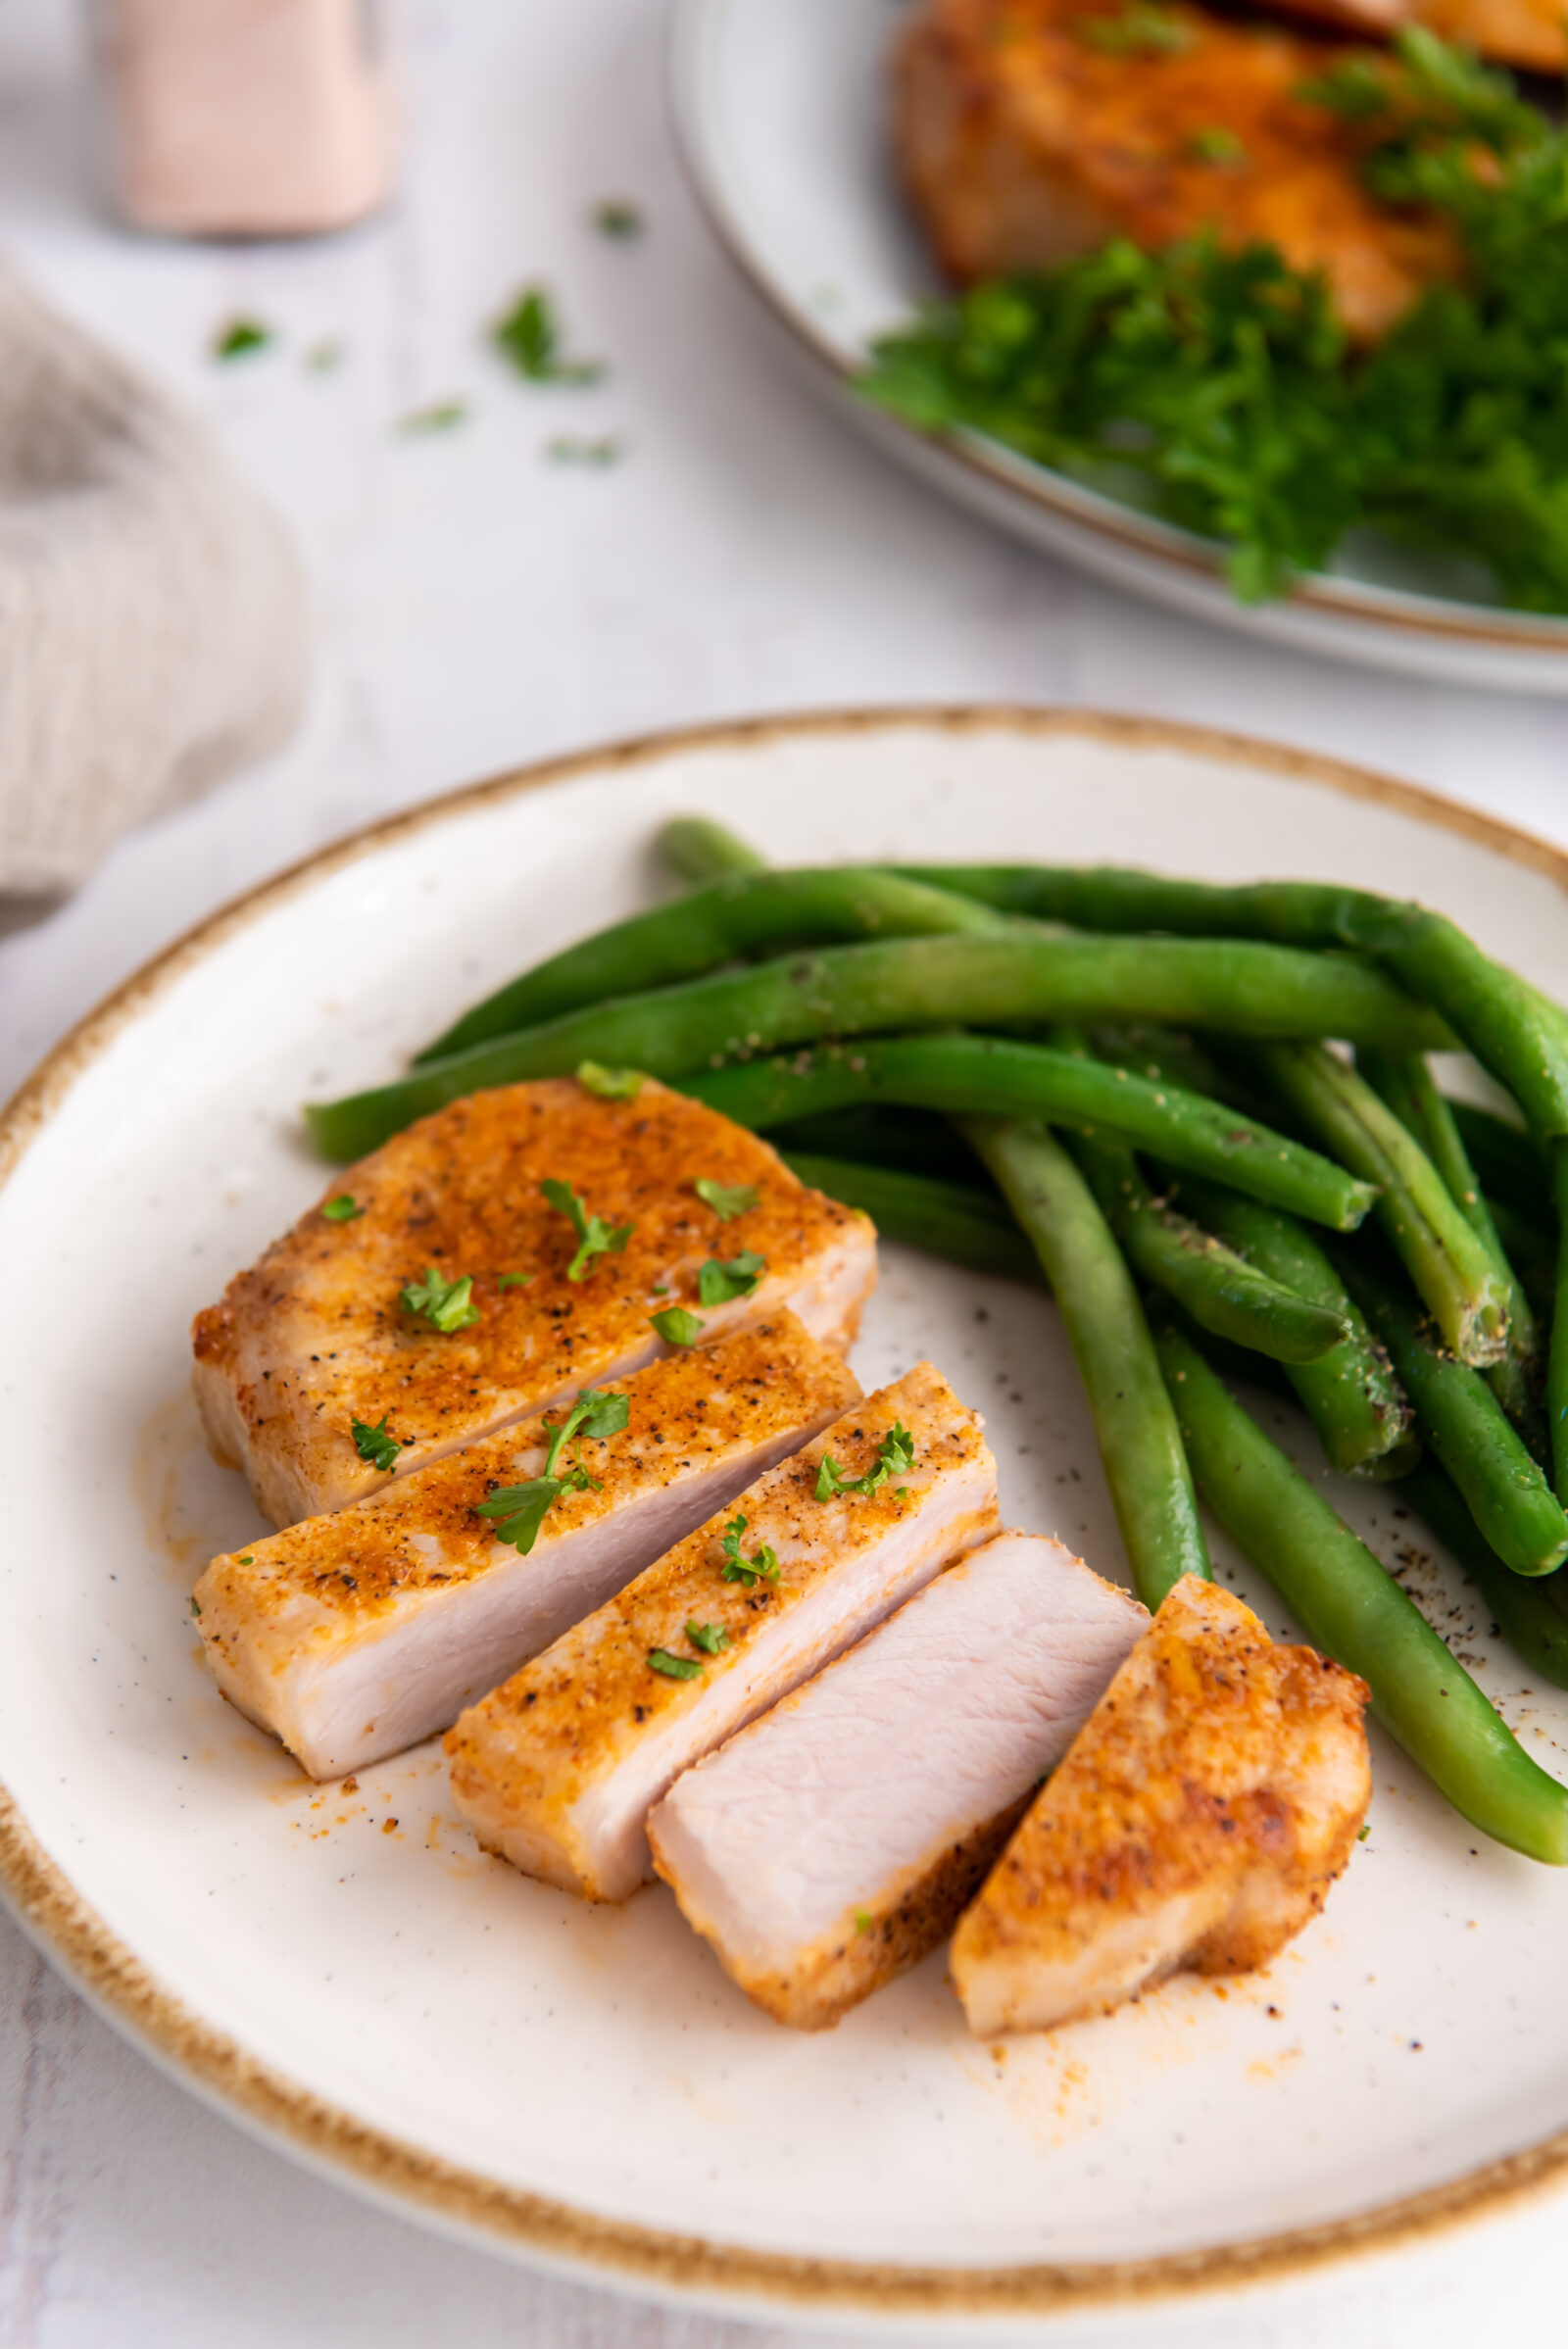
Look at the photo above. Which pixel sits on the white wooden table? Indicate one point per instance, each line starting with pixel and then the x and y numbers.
pixel 480 606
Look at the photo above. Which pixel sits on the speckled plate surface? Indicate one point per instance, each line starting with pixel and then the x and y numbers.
pixel 342 1970
pixel 781 110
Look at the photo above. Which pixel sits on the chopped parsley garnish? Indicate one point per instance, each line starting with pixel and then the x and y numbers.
pixel 610 1084
pixel 513 1280
pixel 569 448
pixel 247 1559
pixel 342 1209
pixel 1221 389
pixel 595 1237
pixel 727 1199
pixel 447 1306
pixel 1217 146
pixel 322 357
pixel 895 1456
pixel 1363 1831
pixel 673 1668
pixel 711 1638
pixel 442 415
pixel 613 217
pixel 195 1607
pixel 529 336
pixel 241 337
pixel 518 1511
pixel 376 1445
pixel 718 1283
pixel 862 1921
pixel 1143 29
pixel 677 1327
pixel 761 1566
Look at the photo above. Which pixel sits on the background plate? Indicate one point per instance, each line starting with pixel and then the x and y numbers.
pixel 781 111
pixel 584 2086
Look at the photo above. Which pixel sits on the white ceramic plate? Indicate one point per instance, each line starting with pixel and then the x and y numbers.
pixel 780 111
pixel 345 1972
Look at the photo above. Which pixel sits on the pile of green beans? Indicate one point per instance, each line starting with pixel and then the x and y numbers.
pixel 1121 1088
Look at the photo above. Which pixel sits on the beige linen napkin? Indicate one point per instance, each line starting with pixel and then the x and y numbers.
pixel 153 629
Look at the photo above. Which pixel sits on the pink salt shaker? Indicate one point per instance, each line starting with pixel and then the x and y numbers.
pixel 247 118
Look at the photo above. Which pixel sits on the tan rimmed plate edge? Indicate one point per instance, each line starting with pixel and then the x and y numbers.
pixel 1083 510
pixel 532 2227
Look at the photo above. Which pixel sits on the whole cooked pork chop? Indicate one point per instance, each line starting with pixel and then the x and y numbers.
pixel 1029 132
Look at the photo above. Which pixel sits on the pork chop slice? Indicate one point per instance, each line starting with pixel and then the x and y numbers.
pixel 834 1842
pixel 1199 1820
pixel 352 1635
pixel 314 1338
pixel 558 1769
pixel 1029 132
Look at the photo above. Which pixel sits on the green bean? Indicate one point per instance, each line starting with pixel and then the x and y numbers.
pixel 880 1134
pixel 1135 1426
pixel 1352 1609
pixel 1529 1613
pixel 1557 1359
pixel 1532 1253
pixel 1514 1167
pixel 696 848
pixel 1167 1056
pixel 904 983
pixel 1221 1291
pixel 960 1221
pixel 992 1076
pixel 1403 1081
pixel 1513 1030
pixel 1351 1396
pixel 1454 1274
pixel 732 920
pixel 1463 1423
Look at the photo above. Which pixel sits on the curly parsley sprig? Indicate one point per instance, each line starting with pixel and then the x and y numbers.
pixel 518 1511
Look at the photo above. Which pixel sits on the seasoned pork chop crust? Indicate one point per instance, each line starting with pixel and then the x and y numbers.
pixel 1021 144
pixel 1199 1820
pixel 352 1635
pixel 558 1769
pixel 313 1337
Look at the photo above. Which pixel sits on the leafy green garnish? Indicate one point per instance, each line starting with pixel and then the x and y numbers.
pixel 1216 145
pixel 610 1084
pixel 711 1638
pixel 677 1327
pixel 862 1921
pixel 727 1199
pixel 595 1237
pixel 617 219
pixel 376 1445
pixel 529 336
pixel 718 1283
pixel 571 447
pixel 447 1306
pixel 441 416
pixel 1222 388
pixel 1143 29
pixel 513 1280
pixel 342 1209
pixel 895 1456
pixel 195 1606
pixel 241 337
pixel 761 1566
pixel 673 1668
pixel 518 1511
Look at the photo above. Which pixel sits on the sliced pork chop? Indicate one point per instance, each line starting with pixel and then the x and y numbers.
pixel 1199 1820
pixel 352 1635
pixel 835 1841
pixel 313 1337
pixel 1029 132
pixel 558 1769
